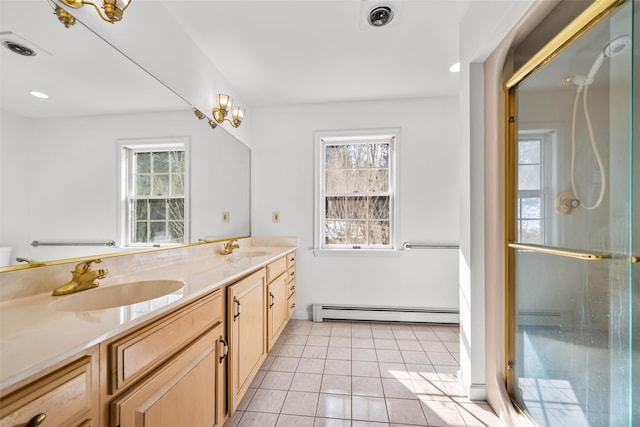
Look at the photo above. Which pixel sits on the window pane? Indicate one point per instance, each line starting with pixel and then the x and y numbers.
pixel 177 161
pixel 175 232
pixel 157 210
pixel 140 209
pixel 161 185
pixel 529 177
pixel 357 232
pixel 379 207
pixel 142 185
pixel 381 156
pixel 529 151
pixel 177 185
pixel 335 181
pixel 140 232
pixel 379 180
pixel 364 157
pixel 531 207
pixel 161 162
pixel 142 162
pixel 531 231
pixel 357 207
pixel 176 209
pixel 357 181
pixel 334 232
pixel 334 157
pixel 379 232
pixel 335 208
pixel 158 232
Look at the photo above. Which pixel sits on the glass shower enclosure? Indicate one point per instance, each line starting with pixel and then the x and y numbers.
pixel 573 224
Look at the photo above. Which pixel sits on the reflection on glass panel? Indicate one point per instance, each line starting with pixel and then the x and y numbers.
pixel 177 161
pixel 379 180
pixel 336 181
pixel 357 207
pixel 530 207
pixel 529 151
pixel 335 232
pixel 158 232
pixel 175 232
pixel 357 232
pixel 140 232
pixel 176 209
pixel 157 209
pixel 161 162
pixel 335 157
pixel 531 231
pixel 177 184
pixel 357 181
pixel 379 207
pixel 140 209
pixel 161 185
pixel 142 185
pixel 379 232
pixel 529 177
pixel 142 162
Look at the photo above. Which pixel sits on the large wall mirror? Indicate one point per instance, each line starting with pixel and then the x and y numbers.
pixel 59 156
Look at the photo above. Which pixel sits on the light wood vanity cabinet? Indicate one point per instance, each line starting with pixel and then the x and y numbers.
pixel 169 372
pixel 277 309
pixel 67 395
pixel 247 319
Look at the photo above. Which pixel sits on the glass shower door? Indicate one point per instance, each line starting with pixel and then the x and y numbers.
pixel 571 263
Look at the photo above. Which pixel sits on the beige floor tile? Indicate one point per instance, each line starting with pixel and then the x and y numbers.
pixel 433 346
pixel 385 343
pixel 404 411
pixel 337 367
pixel 382 333
pixel 336 384
pixel 288 350
pixel 404 334
pixel 340 353
pixel 412 345
pixel 368 424
pixel 294 339
pixel 300 403
pixel 393 370
pixel 423 372
pixel 314 352
pixel 267 401
pixel 367 408
pixel 258 379
pixel 429 387
pixel 275 380
pixel 320 329
pixel 311 366
pixel 478 415
pixel 441 411
pixel 285 420
pixel 389 356
pixel 234 420
pixel 362 342
pixel 364 354
pixel 398 388
pixel 331 422
pixel 367 386
pixel 334 406
pixel 441 358
pixel 361 333
pixel 284 364
pixel 257 419
pixel 242 406
pixel 341 331
pixel 364 369
pixel 306 382
pixel 448 372
pixel 415 357
pixel 318 340
pixel 339 341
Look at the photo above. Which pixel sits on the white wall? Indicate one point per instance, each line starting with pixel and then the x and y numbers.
pixel 282 180
pixel 60 178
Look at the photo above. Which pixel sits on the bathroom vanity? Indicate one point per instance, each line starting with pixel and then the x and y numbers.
pixel 185 358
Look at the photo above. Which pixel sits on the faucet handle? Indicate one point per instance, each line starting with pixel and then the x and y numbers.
pixel 86 265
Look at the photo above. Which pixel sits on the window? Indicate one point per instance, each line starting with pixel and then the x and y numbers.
pixel 531 195
pixel 154 201
pixel 355 189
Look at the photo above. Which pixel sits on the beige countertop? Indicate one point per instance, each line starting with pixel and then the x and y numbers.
pixel 34 336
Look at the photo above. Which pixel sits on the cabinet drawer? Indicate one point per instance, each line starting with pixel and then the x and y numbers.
pixel 276 268
pixel 291 260
pixel 291 305
pixel 291 275
pixel 138 353
pixel 291 287
pixel 65 397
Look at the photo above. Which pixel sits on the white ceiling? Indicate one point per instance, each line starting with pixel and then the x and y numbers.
pixel 308 51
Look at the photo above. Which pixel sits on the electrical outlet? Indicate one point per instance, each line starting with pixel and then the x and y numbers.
pixel 275 217
pixel 225 216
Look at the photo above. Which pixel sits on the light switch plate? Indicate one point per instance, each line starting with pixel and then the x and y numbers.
pixel 225 216
pixel 275 217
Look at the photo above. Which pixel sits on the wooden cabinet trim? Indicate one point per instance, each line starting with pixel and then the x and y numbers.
pixel 276 268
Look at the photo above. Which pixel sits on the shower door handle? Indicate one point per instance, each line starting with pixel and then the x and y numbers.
pixel 551 250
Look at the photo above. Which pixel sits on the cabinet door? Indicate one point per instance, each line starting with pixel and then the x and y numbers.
pixel 277 312
pixel 183 392
pixel 247 334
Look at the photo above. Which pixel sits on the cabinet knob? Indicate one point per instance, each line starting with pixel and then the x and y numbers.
pixel 293 288
pixel 37 420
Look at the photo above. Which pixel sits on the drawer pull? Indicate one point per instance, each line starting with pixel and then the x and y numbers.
pixel 239 310
pixel 293 288
pixel 36 421
pixel 273 300
pixel 292 259
pixel 293 305
pixel 226 350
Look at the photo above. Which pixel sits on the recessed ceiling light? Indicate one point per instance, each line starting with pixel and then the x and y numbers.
pixel 455 68
pixel 39 94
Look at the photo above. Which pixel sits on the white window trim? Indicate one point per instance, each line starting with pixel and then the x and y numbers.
pixel 123 147
pixel 318 206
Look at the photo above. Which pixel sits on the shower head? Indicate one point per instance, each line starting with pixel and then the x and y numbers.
pixel 616 46
pixel 613 48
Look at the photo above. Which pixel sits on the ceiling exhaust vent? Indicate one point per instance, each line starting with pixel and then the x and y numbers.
pixel 20 45
pixel 380 16
pixel 376 14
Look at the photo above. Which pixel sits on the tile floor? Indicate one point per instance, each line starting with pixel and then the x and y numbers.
pixel 361 374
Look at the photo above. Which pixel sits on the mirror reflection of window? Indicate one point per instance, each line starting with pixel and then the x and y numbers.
pixel 531 218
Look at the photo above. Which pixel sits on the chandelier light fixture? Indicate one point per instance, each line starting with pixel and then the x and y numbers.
pixel 224 105
pixel 112 10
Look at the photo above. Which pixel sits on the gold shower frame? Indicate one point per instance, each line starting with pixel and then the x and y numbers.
pixel 591 16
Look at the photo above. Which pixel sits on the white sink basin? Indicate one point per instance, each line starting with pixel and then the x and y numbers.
pixel 251 254
pixel 117 295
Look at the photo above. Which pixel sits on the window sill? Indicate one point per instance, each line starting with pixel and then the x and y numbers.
pixel 356 252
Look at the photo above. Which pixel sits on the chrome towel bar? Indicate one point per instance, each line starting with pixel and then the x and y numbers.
pixel 110 243
pixel 409 245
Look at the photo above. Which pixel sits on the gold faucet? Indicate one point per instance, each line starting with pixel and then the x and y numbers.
pixel 83 278
pixel 229 247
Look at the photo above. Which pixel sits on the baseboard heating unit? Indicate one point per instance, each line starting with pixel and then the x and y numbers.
pixel 323 312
